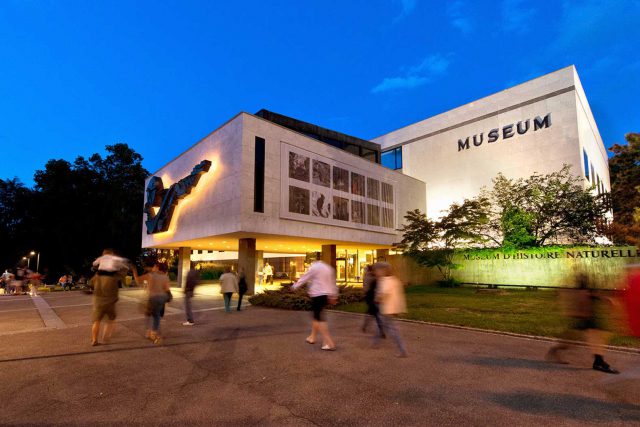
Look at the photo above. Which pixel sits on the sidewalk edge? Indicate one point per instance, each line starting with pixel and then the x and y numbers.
pixel 504 333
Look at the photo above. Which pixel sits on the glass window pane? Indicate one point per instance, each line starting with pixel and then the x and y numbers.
pixel 389 159
pixel 398 157
pixel 373 189
pixel 586 163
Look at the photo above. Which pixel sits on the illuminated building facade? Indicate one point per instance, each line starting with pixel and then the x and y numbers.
pixel 269 187
pixel 271 191
pixel 537 126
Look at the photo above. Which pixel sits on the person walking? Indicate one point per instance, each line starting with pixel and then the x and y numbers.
pixel 373 312
pixel 158 293
pixel 321 287
pixel 390 296
pixel 580 307
pixel 193 280
pixel 242 286
pixel 110 268
pixel 267 271
pixel 228 285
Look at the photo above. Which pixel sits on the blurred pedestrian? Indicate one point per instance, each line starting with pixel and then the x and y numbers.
pixel 228 285
pixel 580 307
pixel 373 311
pixel 242 286
pixel 20 280
pixel 392 302
pixel 7 278
pixel 158 294
pixel 34 279
pixel 193 280
pixel 110 269
pixel 321 287
pixel 267 271
pixel 625 387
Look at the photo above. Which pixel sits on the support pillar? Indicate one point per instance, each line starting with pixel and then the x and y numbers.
pixel 248 262
pixel 329 255
pixel 184 265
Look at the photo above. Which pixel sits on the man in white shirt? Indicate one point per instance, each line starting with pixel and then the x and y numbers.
pixel 267 271
pixel 321 287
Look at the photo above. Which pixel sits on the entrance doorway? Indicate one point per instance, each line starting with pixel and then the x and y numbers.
pixel 350 264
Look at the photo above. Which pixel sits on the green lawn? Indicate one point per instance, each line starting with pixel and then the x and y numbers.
pixel 520 311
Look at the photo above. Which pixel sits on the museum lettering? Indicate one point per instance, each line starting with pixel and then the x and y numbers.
pixel 506 132
pixel 575 254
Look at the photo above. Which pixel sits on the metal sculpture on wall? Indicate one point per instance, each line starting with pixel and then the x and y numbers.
pixel 167 199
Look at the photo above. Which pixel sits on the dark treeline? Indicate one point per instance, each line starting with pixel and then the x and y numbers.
pixel 74 211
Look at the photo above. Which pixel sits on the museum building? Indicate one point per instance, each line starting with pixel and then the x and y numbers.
pixel 266 187
pixel 537 126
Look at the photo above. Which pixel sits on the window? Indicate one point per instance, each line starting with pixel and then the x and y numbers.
pixel 392 159
pixel 258 176
pixel 593 176
pixel 586 164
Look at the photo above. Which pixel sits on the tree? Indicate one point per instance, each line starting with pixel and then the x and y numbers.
pixel 77 209
pixel 624 168
pixel 542 209
pixel 434 243
pixel 15 217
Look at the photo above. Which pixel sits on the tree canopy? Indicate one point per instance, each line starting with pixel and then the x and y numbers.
pixel 624 168
pixel 513 214
pixel 542 209
pixel 74 211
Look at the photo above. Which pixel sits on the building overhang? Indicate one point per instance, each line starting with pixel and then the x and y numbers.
pixel 266 242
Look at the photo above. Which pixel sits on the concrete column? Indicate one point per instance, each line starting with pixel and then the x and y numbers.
pixel 184 265
pixel 329 255
pixel 382 255
pixel 248 261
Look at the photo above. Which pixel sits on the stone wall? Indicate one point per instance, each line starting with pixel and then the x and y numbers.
pixel 536 267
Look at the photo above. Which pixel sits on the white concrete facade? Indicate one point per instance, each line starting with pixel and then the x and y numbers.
pixel 220 209
pixel 435 150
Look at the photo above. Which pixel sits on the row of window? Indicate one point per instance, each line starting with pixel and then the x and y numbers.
pixel 591 175
pixel 392 159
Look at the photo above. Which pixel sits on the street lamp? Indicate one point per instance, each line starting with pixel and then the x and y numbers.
pixel 28 259
pixel 32 253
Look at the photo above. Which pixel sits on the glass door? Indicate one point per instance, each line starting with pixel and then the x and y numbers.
pixel 341 270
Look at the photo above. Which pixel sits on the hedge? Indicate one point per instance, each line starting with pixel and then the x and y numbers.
pixel 288 299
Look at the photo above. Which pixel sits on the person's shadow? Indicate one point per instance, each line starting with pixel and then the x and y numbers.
pixel 581 408
pixel 493 362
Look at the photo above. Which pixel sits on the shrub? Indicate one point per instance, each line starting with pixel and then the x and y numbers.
pixel 449 283
pixel 211 273
pixel 288 299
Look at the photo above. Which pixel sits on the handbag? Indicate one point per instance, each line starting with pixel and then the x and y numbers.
pixel 169 296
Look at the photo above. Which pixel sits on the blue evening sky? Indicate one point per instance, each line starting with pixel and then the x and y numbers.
pixel 159 75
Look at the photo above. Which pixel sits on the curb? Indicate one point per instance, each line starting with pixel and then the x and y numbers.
pixel 612 348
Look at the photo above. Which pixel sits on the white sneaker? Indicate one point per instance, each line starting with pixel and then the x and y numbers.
pixel 188 324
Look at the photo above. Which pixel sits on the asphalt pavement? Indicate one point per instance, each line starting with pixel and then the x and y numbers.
pixel 254 368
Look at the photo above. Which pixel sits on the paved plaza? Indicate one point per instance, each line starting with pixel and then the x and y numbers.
pixel 254 368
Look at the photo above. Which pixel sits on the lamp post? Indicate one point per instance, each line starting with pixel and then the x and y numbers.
pixel 32 253
pixel 28 259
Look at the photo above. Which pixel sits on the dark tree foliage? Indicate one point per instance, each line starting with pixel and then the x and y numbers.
pixel 514 214
pixel 74 211
pixel 433 243
pixel 542 209
pixel 624 168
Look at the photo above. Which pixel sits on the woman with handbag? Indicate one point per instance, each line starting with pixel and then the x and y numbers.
pixel 390 297
pixel 159 294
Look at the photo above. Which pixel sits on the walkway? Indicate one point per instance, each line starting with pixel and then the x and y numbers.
pixel 254 368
